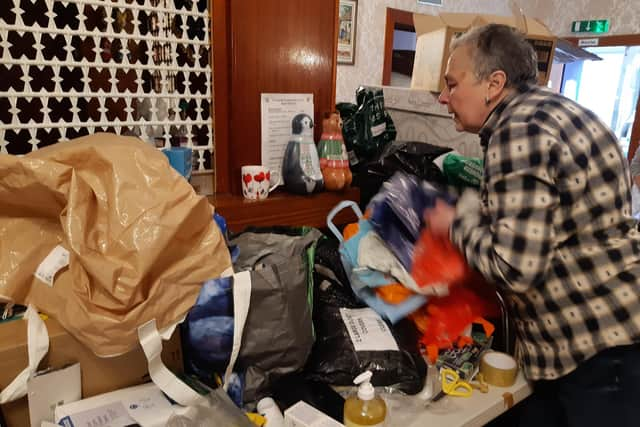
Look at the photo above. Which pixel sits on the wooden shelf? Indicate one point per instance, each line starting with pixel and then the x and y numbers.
pixel 282 208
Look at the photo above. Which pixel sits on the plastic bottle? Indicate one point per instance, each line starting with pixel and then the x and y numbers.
pixel 269 409
pixel 365 409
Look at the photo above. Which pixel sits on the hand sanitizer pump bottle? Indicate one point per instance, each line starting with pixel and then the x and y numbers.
pixel 365 409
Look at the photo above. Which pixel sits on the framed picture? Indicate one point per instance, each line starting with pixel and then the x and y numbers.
pixel 347 14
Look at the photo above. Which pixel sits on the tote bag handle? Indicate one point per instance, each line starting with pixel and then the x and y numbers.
pixel 333 212
pixel 167 381
pixel 37 347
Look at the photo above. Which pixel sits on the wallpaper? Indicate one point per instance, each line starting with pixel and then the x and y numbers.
pixel 434 130
pixel 556 14
pixel 131 67
pixel 418 116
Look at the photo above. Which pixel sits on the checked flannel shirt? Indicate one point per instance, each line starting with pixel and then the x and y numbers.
pixel 554 230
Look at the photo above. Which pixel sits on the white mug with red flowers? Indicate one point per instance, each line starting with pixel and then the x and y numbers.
pixel 256 182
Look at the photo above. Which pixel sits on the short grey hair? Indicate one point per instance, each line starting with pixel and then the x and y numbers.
pixel 500 47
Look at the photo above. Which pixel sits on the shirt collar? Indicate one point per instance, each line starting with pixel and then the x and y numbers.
pixel 493 118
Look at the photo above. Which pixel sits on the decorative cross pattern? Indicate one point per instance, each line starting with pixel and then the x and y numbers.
pixel 131 67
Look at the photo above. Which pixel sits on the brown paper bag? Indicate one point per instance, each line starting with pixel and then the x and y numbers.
pixel 140 241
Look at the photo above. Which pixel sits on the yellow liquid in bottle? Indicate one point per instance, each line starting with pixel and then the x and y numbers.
pixel 364 413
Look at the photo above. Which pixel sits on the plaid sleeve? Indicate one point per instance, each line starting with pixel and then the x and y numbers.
pixel 509 239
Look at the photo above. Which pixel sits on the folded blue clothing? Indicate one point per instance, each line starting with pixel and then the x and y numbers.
pixel 364 280
pixel 215 299
pixel 210 321
pixel 360 283
pixel 234 250
pixel 213 337
pixel 208 332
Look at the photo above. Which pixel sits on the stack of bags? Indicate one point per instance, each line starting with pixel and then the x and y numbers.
pixel 400 269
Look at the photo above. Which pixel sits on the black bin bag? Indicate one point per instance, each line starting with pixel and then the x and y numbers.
pixel 411 157
pixel 334 358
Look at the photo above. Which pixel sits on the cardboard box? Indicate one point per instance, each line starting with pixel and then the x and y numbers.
pixel 434 34
pixel 99 375
pixel 50 389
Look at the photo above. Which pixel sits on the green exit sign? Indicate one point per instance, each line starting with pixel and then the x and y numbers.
pixel 597 26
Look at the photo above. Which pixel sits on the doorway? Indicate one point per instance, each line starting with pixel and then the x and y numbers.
pixel 399 48
pixel 614 97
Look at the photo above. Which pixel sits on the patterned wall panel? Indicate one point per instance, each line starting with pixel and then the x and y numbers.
pixel 130 67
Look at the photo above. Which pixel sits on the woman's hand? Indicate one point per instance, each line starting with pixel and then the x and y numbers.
pixel 439 218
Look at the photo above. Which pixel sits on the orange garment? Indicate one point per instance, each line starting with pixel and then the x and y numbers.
pixel 394 293
pixel 436 260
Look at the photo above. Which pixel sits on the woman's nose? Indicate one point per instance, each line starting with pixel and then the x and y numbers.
pixel 444 97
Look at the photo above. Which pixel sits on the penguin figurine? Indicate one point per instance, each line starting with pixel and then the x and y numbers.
pixel 301 165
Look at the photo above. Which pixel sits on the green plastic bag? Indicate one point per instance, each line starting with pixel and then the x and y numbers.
pixel 367 127
pixel 461 171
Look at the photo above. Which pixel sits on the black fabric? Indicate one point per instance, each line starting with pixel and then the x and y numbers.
pixel 604 390
pixel 331 283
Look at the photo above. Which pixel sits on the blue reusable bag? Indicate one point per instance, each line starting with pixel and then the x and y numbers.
pixel 364 280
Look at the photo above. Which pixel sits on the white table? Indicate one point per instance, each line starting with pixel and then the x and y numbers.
pixel 476 410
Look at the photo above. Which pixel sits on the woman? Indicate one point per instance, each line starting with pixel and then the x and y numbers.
pixel 552 227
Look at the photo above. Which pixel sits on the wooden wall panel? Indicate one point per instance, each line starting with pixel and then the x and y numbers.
pixel 277 46
pixel 220 114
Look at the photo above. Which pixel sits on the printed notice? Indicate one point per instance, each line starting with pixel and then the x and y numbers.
pixel 111 414
pixel 277 111
pixel 367 330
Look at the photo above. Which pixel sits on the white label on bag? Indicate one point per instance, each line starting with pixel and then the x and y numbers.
pixel 57 259
pixel 367 330
pixel 378 129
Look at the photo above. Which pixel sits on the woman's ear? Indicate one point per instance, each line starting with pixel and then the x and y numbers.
pixel 497 84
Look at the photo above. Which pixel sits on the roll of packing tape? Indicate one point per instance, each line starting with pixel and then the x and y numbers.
pixel 498 369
